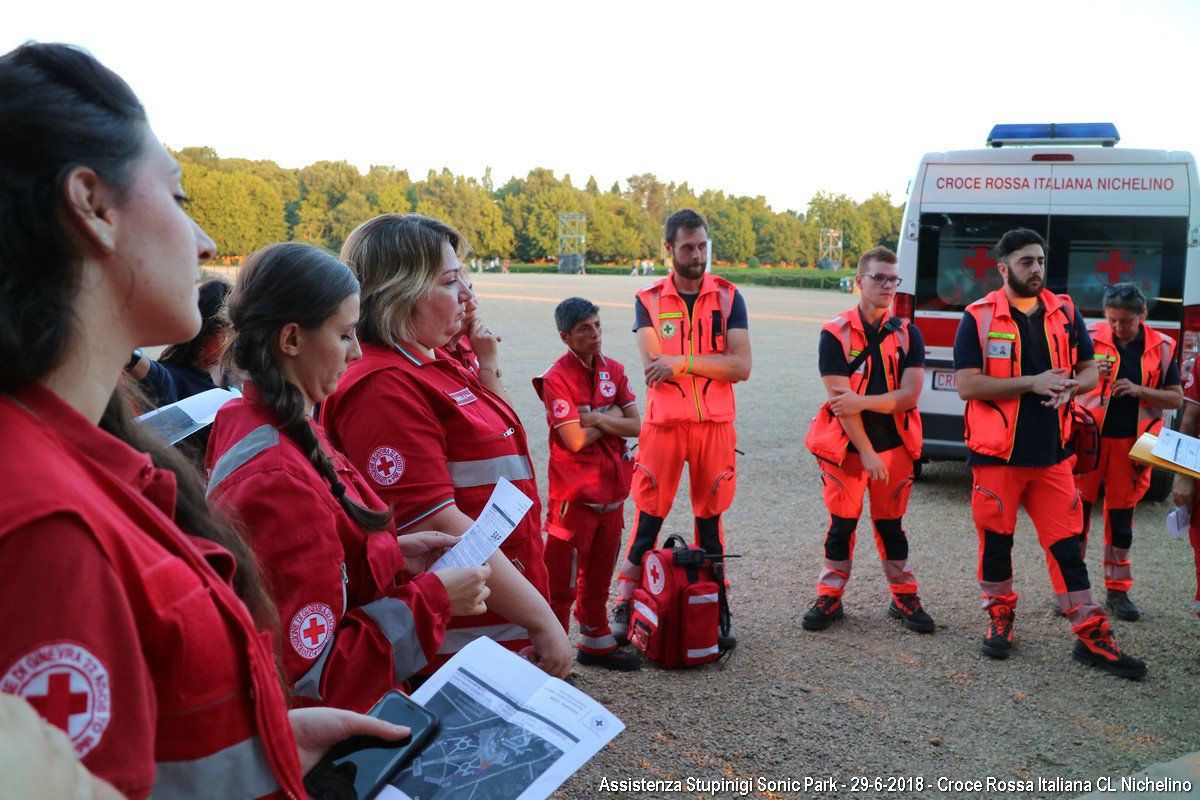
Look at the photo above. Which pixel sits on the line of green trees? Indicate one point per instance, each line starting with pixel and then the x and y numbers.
pixel 245 205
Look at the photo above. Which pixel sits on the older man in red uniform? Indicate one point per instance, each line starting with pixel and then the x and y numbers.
pixel 590 410
pixel 694 338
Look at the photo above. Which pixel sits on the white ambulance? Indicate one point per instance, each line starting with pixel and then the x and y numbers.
pixel 1109 215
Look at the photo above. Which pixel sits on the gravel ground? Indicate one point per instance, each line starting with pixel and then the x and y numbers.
pixel 864 699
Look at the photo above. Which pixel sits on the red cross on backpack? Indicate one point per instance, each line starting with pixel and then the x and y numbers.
pixel 680 606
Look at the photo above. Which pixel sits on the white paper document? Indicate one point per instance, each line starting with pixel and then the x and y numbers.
pixel 1178 522
pixel 507 730
pixel 1178 449
pixel 177 421
pixel 500 516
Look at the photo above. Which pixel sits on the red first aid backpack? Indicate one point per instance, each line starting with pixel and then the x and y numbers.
pixel 679 606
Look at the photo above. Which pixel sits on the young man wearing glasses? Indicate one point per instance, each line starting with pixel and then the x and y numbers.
pixel 1021 354
pixel 866 437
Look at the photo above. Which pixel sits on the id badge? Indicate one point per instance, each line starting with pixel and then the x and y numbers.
pixel 999 348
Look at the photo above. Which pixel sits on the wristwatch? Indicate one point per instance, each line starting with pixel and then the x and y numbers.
pixel 134 359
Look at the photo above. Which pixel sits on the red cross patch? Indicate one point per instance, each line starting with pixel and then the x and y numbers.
pixel 560 408
pixel 608 389
pixel 310 629
pixel 69 687
pixel 385 465
pixel 655 573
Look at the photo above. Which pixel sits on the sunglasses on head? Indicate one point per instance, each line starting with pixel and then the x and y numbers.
pixel 1123 291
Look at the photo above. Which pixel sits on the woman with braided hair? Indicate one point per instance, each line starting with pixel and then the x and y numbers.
pixel 354 624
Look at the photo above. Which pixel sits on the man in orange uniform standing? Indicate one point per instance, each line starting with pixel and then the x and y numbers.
pixel 693 334
pixel 1021 354
pixel 866 438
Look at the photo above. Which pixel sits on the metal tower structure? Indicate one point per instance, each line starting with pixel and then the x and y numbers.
pixel 572 242
pixel 831 249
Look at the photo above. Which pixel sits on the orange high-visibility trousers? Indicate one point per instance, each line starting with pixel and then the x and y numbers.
pixel 1125 484
pixel 842 489
pixel 1053 503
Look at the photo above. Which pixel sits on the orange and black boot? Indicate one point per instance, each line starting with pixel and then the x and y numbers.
pixel 998 640
pixel 1096 648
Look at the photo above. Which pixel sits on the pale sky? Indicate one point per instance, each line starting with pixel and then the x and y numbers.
pixel 775 99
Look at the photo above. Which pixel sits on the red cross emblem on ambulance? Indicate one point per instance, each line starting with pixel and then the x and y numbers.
pixel 1114 266
pixel 385 465
pixel 69 687
pixel 978 263
pixel 310 629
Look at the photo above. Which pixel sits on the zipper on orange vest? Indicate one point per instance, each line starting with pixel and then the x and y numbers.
pixel 695 389
pixel 1015 360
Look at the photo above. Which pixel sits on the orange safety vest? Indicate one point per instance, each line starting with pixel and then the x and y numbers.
pixel 702 332
pixel 991 425
pixel 826 438
pixel 1156 355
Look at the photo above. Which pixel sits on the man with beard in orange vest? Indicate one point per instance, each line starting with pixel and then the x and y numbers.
pixel 1021 354
pixel 866 438
pixel 694 337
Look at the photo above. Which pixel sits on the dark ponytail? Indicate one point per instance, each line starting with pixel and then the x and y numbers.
pixel 296 283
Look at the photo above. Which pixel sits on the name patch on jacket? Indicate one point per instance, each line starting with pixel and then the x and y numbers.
pixel 463 396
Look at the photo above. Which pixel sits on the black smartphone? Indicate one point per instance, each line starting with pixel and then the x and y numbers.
pixel 359 767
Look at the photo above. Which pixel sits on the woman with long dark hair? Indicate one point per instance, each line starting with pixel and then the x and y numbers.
pixel 353 625
pixel 134 620
pixel 433 439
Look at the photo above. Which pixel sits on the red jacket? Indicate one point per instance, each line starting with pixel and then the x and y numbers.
pixel 122 630
pixel 462 352
pixel 1156 355
pixel 353 627
pixel 991 425
pixel 599 474
pixel 427 433
pixel 827 438
pixel 703 331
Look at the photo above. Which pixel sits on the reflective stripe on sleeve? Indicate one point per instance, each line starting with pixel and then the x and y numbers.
pixel 240 771
pixel 458 638
pixel 309 684
pixel 253 443
pixel 488 471
pixel 395 619
pixel 424 514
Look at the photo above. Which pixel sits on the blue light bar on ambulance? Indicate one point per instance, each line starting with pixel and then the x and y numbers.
pixel 1101 133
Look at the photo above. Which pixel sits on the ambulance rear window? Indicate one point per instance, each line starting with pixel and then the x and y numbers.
pixel 956 263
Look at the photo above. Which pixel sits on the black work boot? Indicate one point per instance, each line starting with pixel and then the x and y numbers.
pixel 907 607
pixel 823 613
pixel 623 659
pixel 1122 607
pixel 620 622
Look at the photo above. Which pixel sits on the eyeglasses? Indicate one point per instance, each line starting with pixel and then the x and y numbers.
pixel 1123 291
pixel 884 280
